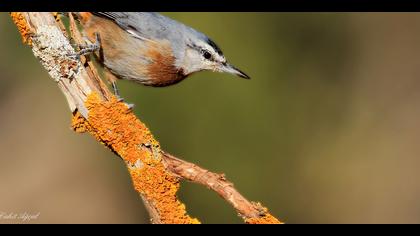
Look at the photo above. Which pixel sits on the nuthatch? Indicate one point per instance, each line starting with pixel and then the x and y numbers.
pixel 150 48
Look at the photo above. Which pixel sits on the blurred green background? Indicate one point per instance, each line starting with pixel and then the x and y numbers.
pixel 325 132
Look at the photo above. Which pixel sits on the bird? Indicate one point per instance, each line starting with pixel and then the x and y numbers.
pixel 150 48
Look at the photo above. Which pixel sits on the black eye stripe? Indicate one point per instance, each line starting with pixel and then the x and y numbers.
pixel 215 47
pixel 206 54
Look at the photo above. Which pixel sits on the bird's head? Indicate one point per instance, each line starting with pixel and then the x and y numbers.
pixel 203 54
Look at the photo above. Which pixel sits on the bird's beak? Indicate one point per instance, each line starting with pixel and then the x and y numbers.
pixel 228 68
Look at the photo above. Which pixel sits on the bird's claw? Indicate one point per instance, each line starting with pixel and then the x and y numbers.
pixel 120 99
pixel 130 106
pixel 88 48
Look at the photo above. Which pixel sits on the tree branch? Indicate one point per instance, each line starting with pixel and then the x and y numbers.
pixel 249 211
pixel 155 174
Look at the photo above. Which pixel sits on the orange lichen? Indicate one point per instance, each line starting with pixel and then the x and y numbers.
pixel 263 218
pixel 111 123
pixel 266 219
pixel 23 27
pixel 79 123
pixel 161 187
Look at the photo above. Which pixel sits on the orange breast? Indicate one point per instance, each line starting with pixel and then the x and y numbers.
pixel 162 69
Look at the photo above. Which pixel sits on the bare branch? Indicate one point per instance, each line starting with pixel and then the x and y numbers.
pixel 218 183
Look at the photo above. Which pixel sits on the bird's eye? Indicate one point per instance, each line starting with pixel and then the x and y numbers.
pixel 206 54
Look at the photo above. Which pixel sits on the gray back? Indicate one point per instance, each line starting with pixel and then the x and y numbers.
pixel 151 25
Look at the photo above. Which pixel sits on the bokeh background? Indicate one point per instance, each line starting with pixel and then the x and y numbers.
pixel 327 130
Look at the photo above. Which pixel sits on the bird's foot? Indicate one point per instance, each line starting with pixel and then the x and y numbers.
pixel 89 47
pixel 121 99
pixel 130 106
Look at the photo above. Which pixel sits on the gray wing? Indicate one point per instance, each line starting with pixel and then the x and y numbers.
pixel 151 26
pixel 144 25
